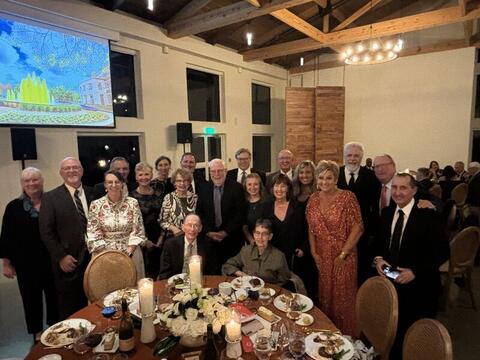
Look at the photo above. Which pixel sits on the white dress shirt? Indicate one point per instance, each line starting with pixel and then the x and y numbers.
pixel 389 194
pixel 240 174
pixel 81 195
pixel 348 172
pixel 289 173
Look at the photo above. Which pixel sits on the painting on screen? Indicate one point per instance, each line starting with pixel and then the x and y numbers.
pixel 53 78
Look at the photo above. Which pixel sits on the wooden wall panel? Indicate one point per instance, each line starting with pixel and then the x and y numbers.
pixel 300 122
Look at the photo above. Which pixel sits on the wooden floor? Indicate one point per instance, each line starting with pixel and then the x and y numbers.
pixel 462 322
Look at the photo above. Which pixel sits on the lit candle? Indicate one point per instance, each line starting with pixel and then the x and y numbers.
pixel 195 269
pixel 233 330
pixel 145 289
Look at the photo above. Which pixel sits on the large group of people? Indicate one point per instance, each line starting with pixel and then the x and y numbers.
pixel 324 226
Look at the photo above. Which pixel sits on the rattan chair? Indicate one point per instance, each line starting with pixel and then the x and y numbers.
pixel 451 227
pixel 427 339
pixel 377 314
pixel 463 249
pixel 459 195
pixel 436 190
pixel 106 272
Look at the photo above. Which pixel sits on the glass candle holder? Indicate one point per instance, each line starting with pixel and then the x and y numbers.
pixel 195 270
pixel 145 290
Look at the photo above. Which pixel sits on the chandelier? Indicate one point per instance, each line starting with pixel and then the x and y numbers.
pixel 373 52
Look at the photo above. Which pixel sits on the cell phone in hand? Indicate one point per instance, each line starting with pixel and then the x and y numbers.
pixel 390 273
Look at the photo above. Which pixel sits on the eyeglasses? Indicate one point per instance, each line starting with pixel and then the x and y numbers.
pixel 67 168
pixel 261 234
pixel 181 181
pixel 381 165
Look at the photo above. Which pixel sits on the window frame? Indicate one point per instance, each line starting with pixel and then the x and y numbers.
pixel 270 87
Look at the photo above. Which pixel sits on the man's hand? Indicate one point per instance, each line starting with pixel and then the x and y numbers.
pixel 425 204
pixel 68 263
pixel 406 276
pixel 8 269
pixel 379 265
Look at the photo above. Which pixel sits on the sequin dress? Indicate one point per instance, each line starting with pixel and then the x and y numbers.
pixel 331 228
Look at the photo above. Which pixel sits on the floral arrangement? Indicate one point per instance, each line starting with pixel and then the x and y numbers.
pixel 191 311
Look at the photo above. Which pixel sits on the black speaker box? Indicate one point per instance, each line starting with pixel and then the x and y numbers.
pixel 184 133
pixel 24 144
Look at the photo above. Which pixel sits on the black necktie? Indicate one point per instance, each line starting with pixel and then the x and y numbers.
pixel 395 242
pixel 244 177
pixel 351 182
pixel 217 204
pixel 81 212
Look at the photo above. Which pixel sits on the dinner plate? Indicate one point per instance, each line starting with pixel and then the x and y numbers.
pixel 306 302
pixel 115 297
pixel 184 285
pixel 305 320
pixel 134 309
pixel 51 357
pixel 58 335
pixel 243 282
pixel 325 336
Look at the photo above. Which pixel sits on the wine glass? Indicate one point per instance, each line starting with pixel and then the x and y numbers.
pixel 292 308
pixel 265 296
pixel 296 344
pixel 107 313
pixel 263 348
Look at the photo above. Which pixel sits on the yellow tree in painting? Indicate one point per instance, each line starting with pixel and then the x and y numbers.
pixel 34 90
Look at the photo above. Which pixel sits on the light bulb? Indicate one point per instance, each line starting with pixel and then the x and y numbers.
pixel 391 54
pixel 344 55
pixel 400 44
pixel 366 58
pixel 388 45
pixel 360 48
pixel 375 46
pixel 355 58
pixel 349 51
pixel 150 5
pixel 379 57
pixel 301 61
pixel 249 37
pixel 396 48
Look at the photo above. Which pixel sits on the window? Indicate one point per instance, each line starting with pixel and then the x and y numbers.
pixel 262 153
pixel 260 104
pixel 206 148
pixel 477 98
pixel 203 96
pixel 123 84
pixel 95 153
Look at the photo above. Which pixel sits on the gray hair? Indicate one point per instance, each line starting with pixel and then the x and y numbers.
pixel 29 171
pixel 216 160
pixel 143 166
pixel 185 174
pixel 353 144
pixel 242 150
pixel 118 158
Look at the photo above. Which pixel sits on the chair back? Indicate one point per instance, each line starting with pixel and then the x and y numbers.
pixel 109 271
pixel 427 339
pixel 459 194
pixel 436 190
pixel 377 314
pixel 451 218
pixel 463 249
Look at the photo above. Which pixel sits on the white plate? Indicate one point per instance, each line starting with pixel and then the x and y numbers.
pixel 51 357
pixel 134 309
pixel 181 276
pixel 61 338
pixel 305 316
pixel 241 295
pixel 302 300
pixel 312 346
pixel 243 282
pixel 131 294
pixel 100 347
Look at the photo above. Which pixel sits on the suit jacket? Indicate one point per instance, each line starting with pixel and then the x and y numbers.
pixel 365 188
pixel 473 197
pixel 171 260
pixel 60 226
pixel 233 174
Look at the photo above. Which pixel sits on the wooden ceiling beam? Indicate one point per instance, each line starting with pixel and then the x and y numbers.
pixel 416 50
pixel 357 14
pixel 462 4
pixel 426 20
pixel 299 24
pixel 190 9
pixel 227 15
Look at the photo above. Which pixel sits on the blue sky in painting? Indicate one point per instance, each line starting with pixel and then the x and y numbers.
pixel 59 58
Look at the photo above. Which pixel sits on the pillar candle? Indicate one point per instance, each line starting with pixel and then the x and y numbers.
pixel 233 330
pixel 195 269
pixel 145 289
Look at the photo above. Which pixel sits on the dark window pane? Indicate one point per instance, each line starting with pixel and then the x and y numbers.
pixel 478 55
pixel 198 148
pixel 262 153
pixel 95 153
pixel 123 84
pixel 214 148
pixel 203 96
pixel 477 98
pixel 476 146
pixel 260 104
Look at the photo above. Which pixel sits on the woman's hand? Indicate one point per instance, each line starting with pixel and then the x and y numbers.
pixel 338 265
pixel 148 244
pixel 240 273
pixel 8 269
pixel 131 249
pixel 299 253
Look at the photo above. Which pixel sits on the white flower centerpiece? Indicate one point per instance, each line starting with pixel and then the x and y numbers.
pixel 190 312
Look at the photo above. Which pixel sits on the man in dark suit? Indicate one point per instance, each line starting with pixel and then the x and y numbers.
pixel 177 250
pixel 244 158
pixel 473 197
pixel 63 223
pixel 285 161
pixel 411 241
pixel 122 166
pixel 363 183
pixel 189 162
pixel 221 206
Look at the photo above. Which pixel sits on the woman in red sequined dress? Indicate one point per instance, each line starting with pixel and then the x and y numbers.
pixel 335 225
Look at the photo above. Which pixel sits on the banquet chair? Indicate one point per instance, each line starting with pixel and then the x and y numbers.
pixel 459 195
pixel 427 339
pixel 463 249
pixel 376 310
pixel 436 190
pixel 110 270
pixel 451 227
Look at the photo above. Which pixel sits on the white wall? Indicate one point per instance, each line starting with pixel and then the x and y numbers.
pixel 163 93
pixel 416 108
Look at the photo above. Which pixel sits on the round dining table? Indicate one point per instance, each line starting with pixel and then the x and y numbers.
pixel 142 351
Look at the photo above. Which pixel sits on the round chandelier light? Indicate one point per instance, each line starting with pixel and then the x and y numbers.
pixel 373 52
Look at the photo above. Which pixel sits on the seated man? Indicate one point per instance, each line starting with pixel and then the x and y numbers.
pixel 260 259
pixel 177 250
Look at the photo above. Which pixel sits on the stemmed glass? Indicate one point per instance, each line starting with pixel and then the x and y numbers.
pixel 263 348
pixel 296 344
pixel 107 313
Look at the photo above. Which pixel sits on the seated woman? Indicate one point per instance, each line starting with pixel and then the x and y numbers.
pixel 115 223
pixel 260 259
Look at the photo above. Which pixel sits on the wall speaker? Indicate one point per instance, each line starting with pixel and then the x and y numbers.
pixel 24 144
pixel 184 133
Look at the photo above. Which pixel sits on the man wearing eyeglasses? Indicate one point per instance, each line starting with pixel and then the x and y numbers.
pixel 63 224
pixel 244 159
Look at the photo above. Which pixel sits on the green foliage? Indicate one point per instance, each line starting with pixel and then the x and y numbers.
pixel 62 95
pixel 11 96
pixel 78 118
pixel 34 90
pixel 50 108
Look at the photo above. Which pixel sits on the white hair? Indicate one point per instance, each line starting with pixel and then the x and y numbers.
pixel 29 171
pixel 353 144
pixel 213 161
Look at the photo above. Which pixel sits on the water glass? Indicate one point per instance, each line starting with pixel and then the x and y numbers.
pixel 263 348
pixel 265 296
pixel 279 336
pixel 296 344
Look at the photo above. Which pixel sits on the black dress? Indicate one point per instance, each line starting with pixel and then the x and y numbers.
pixel 162 188
pixel 20 242
pixel 150 206
pixel 254 212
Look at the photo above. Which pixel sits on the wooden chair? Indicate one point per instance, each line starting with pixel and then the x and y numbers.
pixel 451 227
pixel 377 314
pixel 459 195
pixel 463 249
pixel 436 190
pixel 427 339
pixel 106 272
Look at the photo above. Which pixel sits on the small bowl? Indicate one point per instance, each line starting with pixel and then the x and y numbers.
pixel 305 320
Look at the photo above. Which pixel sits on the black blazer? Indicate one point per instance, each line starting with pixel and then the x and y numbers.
pixel 60 226
pixel 233 174
pixel 171 260
pixel 473 197
pixel 367 190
